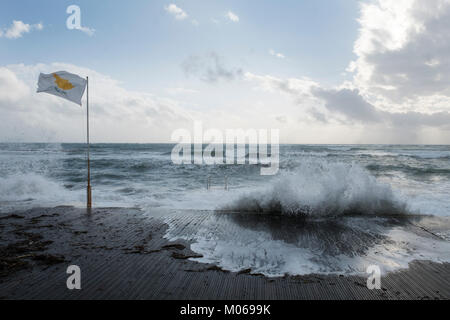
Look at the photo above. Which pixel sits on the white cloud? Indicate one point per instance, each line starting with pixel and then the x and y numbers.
pixel 180 91
pixel 177 12
pixel 89 31
pixel 39 26
pixel 19 28
pixel 232 16
pixel 403 55
pixel 276 54
pixel 117 114
pixel 121 115
pixel 11 88
pixel 399 91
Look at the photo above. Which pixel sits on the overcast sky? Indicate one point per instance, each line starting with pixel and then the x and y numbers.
pixel 323 71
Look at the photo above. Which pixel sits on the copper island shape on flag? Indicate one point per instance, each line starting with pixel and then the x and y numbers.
pixel 63 84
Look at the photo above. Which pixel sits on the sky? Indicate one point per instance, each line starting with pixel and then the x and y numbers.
pixel 324 71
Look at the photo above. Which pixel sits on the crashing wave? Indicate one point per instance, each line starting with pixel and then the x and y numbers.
pixel 322 188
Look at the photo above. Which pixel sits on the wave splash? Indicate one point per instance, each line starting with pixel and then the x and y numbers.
pixel 31 186
pixel 321 189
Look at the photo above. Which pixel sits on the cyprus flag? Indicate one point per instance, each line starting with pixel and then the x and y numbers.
pixel 63 84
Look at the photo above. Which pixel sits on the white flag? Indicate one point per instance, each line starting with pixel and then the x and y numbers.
pixel 63 84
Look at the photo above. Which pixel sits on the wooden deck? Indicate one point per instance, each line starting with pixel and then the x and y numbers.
pixel 122 255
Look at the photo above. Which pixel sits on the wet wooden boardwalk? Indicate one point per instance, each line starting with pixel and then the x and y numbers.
pixel 123 255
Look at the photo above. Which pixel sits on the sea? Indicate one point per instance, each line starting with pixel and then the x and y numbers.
pixel 329 208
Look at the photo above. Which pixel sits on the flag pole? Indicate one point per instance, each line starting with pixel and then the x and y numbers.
pixel 89 192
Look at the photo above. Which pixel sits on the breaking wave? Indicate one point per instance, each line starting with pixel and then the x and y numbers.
pixel 320 188
pixel 31 186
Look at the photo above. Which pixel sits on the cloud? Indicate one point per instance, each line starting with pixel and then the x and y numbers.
pixel 345 105
pixel 400 75
pixel 276 54
pixel 19 28
pixel 354 107
pixel 398 92
pixel 121 115
pixel 209 68
pixel 300 87
pixel 403 54
pixel 117 114
pixel 11 87
pixel 348 103
pixel 232 16
pixel 281 119
pixel 180 91
pixel 89 31
pixel 177 12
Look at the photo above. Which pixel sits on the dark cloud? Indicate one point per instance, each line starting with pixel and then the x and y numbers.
pixel 281 119
pixel 352 105
pixel 438 119
pixel 209 68
pixel 349 106
pixel 348 103
pixel 319 116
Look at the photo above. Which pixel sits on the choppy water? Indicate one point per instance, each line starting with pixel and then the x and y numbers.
pixel 321 182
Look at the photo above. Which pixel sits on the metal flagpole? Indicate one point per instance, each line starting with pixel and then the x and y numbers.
pixel 89 193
